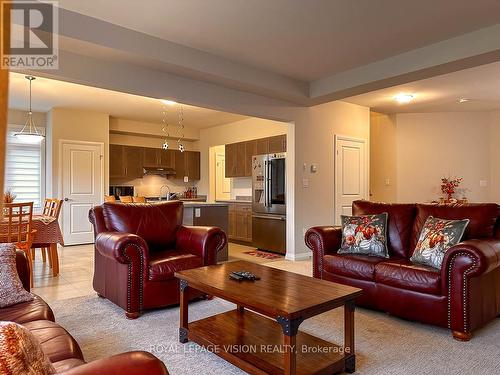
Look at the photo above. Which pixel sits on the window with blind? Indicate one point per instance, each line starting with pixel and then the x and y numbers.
pixel 24 169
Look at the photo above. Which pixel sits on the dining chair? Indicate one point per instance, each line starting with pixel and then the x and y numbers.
pixel 109 199
pixel 16 227
pixel 139 199
pixel 52 209
pixel 126 199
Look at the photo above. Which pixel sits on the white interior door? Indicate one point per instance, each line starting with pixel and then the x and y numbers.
pixel 351 174
pixel 222 184
pixel 82 188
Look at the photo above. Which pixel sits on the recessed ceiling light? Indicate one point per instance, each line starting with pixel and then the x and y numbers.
pixel 404 98
pixel 168 102
pixel 463 100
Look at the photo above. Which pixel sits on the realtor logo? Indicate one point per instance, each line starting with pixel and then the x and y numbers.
pixel 33 35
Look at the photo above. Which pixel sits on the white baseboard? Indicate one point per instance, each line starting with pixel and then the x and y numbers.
pixel 300 256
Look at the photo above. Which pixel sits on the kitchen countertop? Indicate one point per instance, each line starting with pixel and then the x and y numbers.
pixel 235 201
pixel 205 204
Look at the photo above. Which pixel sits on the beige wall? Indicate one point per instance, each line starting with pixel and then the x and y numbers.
pixel 146 141
pixel 425 147
pixel 18 117
pixel 383 142
pixel 150 128
pixel 495 157
pixel 76 125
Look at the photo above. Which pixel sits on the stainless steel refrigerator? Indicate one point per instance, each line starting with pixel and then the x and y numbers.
pixel 268 202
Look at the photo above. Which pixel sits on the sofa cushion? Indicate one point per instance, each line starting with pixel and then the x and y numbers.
pixel 56 342
pixel 11 287
pixel 163 264
pixel 437 236
pixel 399 223
pixel 156 223
pixel 406 275
pixel 364 235
pixel 20 352
pixel 27 311
pixel 67 364
pixel 482 216
pixel 356 266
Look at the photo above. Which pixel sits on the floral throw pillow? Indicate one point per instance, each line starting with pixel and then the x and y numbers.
pixel 11 288
pixel 364 235
pixel 436 237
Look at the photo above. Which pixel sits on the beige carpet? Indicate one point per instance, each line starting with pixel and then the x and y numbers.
pixel 385 345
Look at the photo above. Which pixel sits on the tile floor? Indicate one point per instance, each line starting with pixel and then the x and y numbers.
pixel 76 265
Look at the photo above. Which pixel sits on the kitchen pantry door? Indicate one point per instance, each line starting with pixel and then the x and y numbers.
pixel 82 175
pixel 222 183
pixel 351 174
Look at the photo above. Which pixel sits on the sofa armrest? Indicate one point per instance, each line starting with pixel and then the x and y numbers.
pixel 204 242
pixel 130 363
pixel 122 247
pixel 23 269
pixel 462 262
pixel 322 241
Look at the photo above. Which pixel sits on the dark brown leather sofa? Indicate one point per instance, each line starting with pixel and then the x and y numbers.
pixel 61 348
pixel 463 296
pixel 139 247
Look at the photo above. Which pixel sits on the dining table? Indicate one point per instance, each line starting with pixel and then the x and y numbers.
pixel 48 234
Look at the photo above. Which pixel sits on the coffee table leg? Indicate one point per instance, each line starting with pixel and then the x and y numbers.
pixel 349 356
pixel 183 324
pixel 290 329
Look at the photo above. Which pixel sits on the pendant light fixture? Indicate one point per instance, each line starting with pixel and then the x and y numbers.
pixel 29 133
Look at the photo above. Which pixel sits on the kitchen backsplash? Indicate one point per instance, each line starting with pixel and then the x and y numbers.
pixel 241 186
pixel 149 186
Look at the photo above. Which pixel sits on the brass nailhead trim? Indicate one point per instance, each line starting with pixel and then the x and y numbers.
pixel 465 293
pixel 129 281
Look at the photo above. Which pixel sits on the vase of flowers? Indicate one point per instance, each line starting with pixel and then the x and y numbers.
pixel 8 197
pixel 449 187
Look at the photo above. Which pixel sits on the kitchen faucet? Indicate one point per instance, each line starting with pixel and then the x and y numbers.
pixel 165 196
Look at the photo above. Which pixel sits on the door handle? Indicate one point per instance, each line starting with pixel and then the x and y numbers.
pixel 281 218
pixel 67 199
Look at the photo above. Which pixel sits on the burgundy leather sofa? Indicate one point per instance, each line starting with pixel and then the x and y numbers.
pixel 139 247
pixel 61 348
pixel 463 296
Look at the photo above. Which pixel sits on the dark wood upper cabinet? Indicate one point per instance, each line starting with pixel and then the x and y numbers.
pixel 262 146
pixel 133 160
pixel 192 165
pixel 239 155
pixel 167 158
pixel 151 157
pixel 277 144
pixel 116 164
pixel 250 150
pixel 180 164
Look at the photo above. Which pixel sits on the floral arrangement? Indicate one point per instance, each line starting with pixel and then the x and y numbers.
pixel 449 186
pixel 8 197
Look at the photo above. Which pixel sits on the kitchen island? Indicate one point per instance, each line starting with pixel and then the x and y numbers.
pixel 212 214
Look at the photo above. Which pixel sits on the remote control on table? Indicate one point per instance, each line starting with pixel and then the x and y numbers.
pixel 247 275
pixel 235 276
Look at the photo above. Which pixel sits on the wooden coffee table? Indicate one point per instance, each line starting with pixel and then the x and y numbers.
pixel 246 336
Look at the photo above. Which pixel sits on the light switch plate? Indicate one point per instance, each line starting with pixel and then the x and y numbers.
pixel 197 212
pixel 314 168
pixel 483 183
pixel 186 179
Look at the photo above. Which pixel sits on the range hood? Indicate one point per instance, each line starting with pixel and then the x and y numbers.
pixel 160 171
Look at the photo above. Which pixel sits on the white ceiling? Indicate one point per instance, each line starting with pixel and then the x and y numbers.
pixel 481 85
pixel 49 93
pixel 305 40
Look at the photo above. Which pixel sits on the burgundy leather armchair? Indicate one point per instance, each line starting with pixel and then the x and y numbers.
pixel 463 296
pixel 61 348
pixel 139 247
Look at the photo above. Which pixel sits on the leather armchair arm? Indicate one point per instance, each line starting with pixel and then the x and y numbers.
pixel 204 242
pixel 462 262
pixel 131 363
pixel 23 269
pixel 322 240
pixel 122 247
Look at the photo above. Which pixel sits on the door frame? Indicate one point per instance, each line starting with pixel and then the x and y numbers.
pixel 336 138
pixel 60 184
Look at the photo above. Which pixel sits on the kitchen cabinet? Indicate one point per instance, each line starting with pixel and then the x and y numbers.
pixel 277 144
pixel 187 163
pixel 239 155
pixel 127 162
pixel 240 222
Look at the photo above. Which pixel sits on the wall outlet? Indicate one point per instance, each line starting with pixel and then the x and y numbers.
pixel 197 212
pixel 483 183
pixel 186 179
pixel 314 168
pixel 305 183
pixel 387 181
